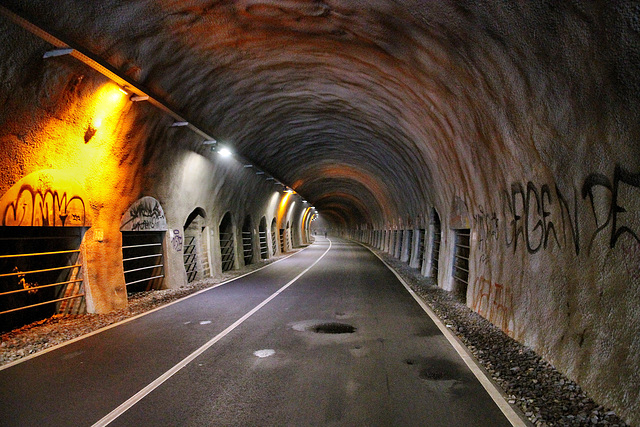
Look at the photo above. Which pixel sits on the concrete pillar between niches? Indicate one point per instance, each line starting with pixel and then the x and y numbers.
pixel 427 267
pixel 398 248
pixel 405 250
pixel 414 261
pixel 206 239
pixel 172 246
pixel 237 247
pixel 447 252
pixel 385 241
pixel 216 256
pixel 255 245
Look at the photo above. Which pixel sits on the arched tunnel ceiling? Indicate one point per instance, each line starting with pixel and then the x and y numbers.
pixel 369 109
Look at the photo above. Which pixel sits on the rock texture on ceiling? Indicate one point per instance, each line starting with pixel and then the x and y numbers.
pixel 373 109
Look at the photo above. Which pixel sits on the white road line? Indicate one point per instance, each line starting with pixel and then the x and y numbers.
pixel 97 331
pixel 464 353
pixel 184 362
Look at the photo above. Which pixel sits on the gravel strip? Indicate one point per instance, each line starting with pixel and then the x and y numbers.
pixel 544 395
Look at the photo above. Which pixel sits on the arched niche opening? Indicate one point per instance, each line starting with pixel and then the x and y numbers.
pixel 227 242
pixel 44 219
pixel 143 227
pixel 274 237
pixel 262 234
pixel 196 246
pixel 247 240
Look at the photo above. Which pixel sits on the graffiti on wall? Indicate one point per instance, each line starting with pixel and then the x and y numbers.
pixel 145 214
pixel 47 198
pixel 604 211
pixel 540 217
pixel 486 226
pixel 494 302
pixel 176 241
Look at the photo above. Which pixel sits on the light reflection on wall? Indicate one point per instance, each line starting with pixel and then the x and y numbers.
pixel 282 210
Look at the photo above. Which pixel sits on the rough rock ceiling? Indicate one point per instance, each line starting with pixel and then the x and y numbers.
pixel 372 110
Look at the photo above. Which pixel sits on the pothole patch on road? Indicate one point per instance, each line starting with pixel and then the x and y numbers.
pixel 332 328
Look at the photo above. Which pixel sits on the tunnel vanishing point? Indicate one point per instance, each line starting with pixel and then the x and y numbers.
pixel 493 145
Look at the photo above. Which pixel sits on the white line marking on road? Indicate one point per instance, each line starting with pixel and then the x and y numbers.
pixel 184 362
pixel 97 331
pixel 464 353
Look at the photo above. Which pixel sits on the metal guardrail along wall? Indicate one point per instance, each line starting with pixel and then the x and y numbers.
pixel 40 274
pixel 190 255
pixel 226 251
pixel 423 245
pixel 264 249
pixel 461 260
pixel 247 247
pixel 143 260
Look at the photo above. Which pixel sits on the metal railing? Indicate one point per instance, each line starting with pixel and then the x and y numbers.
pixel 274 242
pixel 423 245
pixel 247 246
pixel 435 249
pixel 143 260
pixel 226 251
pixel 264 249
pixel 68 285
pixel 461 257
pixel 190 258
pixel 283 248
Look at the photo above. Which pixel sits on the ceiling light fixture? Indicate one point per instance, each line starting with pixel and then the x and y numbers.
pixel 57 52
pixel 225 152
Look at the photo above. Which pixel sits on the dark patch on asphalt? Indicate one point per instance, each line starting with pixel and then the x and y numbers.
pixel 428 332
pixel 435 369
pixel 333 328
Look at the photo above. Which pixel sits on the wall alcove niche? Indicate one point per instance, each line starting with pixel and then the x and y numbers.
pixel 143 228
pixel 43 223
pixel 196 246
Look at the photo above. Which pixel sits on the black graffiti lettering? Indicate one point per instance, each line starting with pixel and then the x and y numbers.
pixel 549 226
pixel 531 189
pixel 517 190
pixel 572 223
pixel 597 180
pixel 487 226
pixel 631 179
pixel 611 203
pixel 143 210
pixel 507 213
pixel 40 204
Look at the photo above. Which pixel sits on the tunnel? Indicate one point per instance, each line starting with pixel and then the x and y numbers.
pixel 490 145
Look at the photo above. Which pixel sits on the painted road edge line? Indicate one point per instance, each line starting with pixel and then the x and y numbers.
pixel 113 325
pixel 493 391
pixel 111 416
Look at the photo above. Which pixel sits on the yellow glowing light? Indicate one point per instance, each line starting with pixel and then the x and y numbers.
pixel 282 210
pixel 305 220
pixel 108 100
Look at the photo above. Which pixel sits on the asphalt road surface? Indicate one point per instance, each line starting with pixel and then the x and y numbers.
pixel 327 337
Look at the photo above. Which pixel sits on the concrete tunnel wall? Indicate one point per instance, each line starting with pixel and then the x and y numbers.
pixel 517 121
